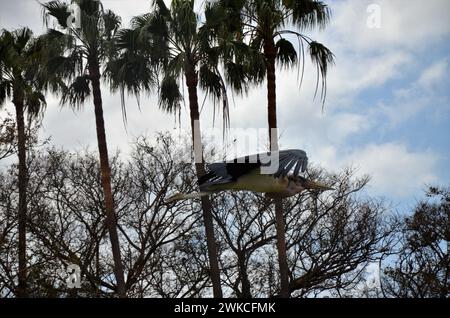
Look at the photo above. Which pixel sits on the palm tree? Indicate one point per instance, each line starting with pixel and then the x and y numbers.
pixel 268 25
pixel 171 42
pixel 84 47
pixel 20 79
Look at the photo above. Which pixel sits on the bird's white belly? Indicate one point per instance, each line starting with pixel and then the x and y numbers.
pixel 260 183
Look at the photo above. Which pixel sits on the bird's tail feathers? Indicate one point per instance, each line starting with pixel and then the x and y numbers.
pixel 184 196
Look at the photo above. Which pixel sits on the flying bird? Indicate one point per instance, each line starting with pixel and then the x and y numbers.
pixel 268 173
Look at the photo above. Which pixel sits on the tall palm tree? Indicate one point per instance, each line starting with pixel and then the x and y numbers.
pixel 269 26
pixel 172 42
pixel 20 79
pixel 84 48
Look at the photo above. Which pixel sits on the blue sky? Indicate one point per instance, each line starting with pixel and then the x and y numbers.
pixel 387 111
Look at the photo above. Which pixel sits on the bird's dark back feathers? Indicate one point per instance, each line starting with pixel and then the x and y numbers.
pixel 230 171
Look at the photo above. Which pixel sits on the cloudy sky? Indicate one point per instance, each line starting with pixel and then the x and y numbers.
pixel 387 112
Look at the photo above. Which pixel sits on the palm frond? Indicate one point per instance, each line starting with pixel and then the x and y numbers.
pixel 127 39
pixel 286 53
pixel 111 23
pixel 151 32
pixel 130 73
pixel 266 20
pixel 22 39
pixel 212 83
pixel 225 16
pixel 91 31
pixel 308 14
pixel 177 64
pixel 67 66
pixel 135 73
pixel 35 103
pixel 58 10
pixel 22 59
pixel 170 96
pixel 77 92
pixel 255 66
pixel 141 21
pixel 236 77
pixel 161 8
pixel 53 37
pixel 184 22
pixel 322 57
pixel 90 7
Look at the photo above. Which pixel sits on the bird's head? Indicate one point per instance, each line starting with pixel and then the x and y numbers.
pixel 305 184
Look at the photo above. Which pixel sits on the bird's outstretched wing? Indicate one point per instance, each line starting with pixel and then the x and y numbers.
pixel 277 163
pixel 289 159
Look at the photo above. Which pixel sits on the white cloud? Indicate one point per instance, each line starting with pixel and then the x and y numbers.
pixel 422 93
pixel 434 75
pixel 76 129
pixel 404 24
pixel 358 72
pixel 400 110
pixel 395 170
pixel 344 125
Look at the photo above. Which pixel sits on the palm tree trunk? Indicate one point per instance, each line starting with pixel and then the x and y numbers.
pixel 22 290
pixel 111 221
pixel 192 81
pixel 270 54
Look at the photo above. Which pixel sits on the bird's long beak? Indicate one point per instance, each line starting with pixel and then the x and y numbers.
pixel 314 185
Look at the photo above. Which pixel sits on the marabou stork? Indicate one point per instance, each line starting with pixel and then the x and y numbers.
pixel 267 173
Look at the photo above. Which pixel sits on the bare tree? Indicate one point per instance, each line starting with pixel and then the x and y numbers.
pixel 161 235
pixel 67 225
pixel 421 269
pixel 8 234
pixel 335 236
pixel 246 225
pixel 331 239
